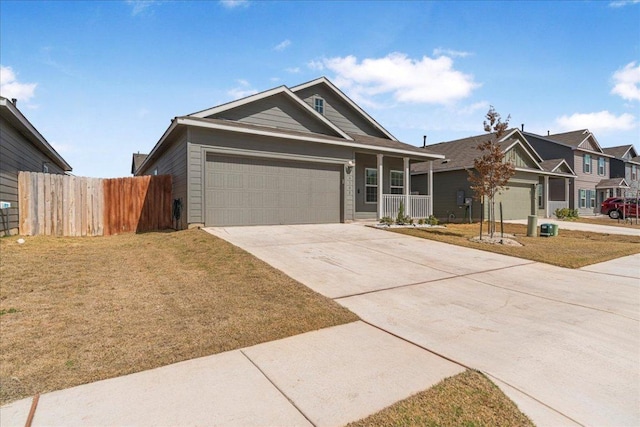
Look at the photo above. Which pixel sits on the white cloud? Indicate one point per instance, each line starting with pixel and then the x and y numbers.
pixel 233 4
pixel 282 45
pixel 140 6
pixel 243 89
pixel 425 80
pixel 315 65
pixel 621 3
pixel 627 82
pixel 10 87
pixel 292 70
pixel 602 121
pixel 449 52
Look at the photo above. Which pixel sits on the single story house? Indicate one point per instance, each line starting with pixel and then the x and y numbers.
pixel 305 154
pixel 22 148
pixel 537 188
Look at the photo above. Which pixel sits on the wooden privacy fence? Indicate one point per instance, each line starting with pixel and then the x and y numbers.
pixel 61 205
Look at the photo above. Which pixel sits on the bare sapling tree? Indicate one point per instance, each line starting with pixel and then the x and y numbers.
pixel 491 173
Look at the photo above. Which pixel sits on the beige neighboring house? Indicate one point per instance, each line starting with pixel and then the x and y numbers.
pixel 592 165
pixel 289 155
pixel 625 164
pixel 22 148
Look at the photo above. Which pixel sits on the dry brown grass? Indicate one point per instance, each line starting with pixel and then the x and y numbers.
pixel 467 399
pixel 77 310
pixel 571 249
pixel 605 220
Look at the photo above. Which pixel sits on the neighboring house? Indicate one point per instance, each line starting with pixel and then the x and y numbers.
pixel 537 188
pixel 22 148
pixel 625 164
pixel 582 152
pixel 306 154
pixel 138 159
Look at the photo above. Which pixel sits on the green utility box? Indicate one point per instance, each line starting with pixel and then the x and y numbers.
pixel 549 230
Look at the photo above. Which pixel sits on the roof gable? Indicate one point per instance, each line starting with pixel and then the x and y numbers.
pixel 343 108
pixel 625 152
pixel 557 166
pixel 579 139
pixel 277 107
pixel 14 116
pixel 517 155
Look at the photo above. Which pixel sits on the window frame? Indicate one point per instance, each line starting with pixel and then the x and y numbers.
pixel 602 165
pixel 591 197
pixel 393 187
pixel 367 185
pixel 317 99
pixel 582 199
pixel 586 165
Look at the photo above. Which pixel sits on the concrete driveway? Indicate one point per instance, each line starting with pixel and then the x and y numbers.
pixel 563 344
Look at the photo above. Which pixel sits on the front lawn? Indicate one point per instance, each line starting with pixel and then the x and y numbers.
pixel 467 399
pixel 78 310
pixel 571 249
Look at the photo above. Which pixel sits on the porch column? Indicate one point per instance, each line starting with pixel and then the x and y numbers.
pixel 430 210
pixel 546 196
pixel 566 192
pixel 407 186
pixel 380 184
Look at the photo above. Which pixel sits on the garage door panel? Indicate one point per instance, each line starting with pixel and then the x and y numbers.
pixel 258 191
pixel 516 201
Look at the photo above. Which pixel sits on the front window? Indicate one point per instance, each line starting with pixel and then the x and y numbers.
pixel 592 198
pixel 634 172
pixel 583 198
pixel 371 185
pixel 318 104
pixel 587 163
pixel 601 166
pixel 397 182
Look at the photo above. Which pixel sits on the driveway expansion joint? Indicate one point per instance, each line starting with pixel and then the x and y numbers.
pixel 278 388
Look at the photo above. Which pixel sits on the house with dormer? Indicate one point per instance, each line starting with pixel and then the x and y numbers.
pixel 538 187
pixel 625 164
pixel 591 164
pixel 289 155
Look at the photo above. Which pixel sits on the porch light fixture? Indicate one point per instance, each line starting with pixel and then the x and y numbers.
pixel 350 166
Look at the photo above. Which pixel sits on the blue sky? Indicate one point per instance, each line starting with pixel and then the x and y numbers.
pixel 102 80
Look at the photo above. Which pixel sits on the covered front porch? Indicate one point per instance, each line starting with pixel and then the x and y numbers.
pixel 383 186
pixel 552 193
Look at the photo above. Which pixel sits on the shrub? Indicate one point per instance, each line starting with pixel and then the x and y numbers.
pixel 421 221
pixel 566 213
pixel 403 219
pixel 386 220
pixel 432 220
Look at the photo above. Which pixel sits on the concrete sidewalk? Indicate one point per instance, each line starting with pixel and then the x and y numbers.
pixel 583 226
pixel 328 377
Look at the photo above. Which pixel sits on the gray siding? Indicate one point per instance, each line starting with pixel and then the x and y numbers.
pixel 549 150
pixel 518 202
pixel 277 111
pixel 339 113
pixel 587 181
pixel 17 153
pixel 364 161
pixel 203 141
pixel 173 161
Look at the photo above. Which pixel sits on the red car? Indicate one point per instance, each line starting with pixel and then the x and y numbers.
pixel 617 207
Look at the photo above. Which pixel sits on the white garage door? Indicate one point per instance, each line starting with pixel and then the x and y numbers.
pixel 259 191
